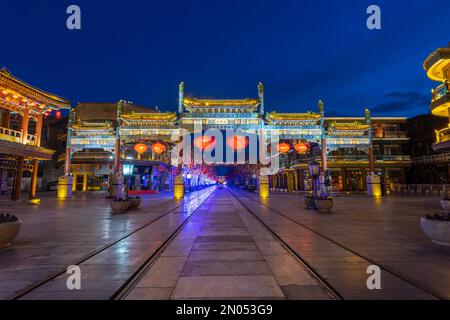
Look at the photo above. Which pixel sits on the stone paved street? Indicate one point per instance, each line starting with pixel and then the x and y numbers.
pixel 223 250
pixel 58 233
pixel 229 255
pixel 385 230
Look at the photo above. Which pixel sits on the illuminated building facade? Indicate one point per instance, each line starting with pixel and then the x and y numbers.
pixel 113 143
pixel 437 67
pixel 97 130
pixel 427 166
pixel 22 109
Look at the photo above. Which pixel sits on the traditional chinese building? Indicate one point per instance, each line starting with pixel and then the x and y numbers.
pixel 97 130
pixel 22 108
pixel 427 165
pixel 437 66
pixel 348 140
pixel 134 143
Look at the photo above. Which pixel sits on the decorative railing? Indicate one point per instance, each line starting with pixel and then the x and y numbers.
pixel 16 136
pixel 395 134
pixel 440 91
pixel 92 156
pixel 365 158
pixel 347 158
pixel 443 135
pixel 438 158
pixel 10 135
pixel 31 140
pixel 421 189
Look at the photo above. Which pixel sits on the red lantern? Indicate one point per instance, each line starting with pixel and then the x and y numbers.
pixel 58 114
pixel 159 147
pixel 284 147
pixel 301 148
pixel 205 142
pixel 140 148
pixel 237 142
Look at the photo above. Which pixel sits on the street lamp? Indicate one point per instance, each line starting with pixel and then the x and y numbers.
pixel 314 171
pixel 188 182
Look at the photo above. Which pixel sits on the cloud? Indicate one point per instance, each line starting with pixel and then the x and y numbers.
pixel 401 101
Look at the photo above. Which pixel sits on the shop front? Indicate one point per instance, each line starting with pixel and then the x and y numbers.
pixel 147 177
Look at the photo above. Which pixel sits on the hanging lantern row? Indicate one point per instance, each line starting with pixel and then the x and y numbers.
pixel 283 147
pixel 57 114
pixel 157 148
pixel 205 142
pixel 237 142
pixel 140 148
pixel 208 142
pixel 300 147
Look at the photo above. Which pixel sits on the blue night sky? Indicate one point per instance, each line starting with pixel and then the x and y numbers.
pixel 301 50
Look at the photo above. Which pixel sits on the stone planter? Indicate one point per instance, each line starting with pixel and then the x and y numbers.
pixel 437 230
pixel 309 202
pixel 445 204
pixel 134 202
pixel 8 232
pixel 120 206
pixel 324 205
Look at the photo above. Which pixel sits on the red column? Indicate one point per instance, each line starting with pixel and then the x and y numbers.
pixel 67 162
pixel 117 157
pixel 24 124
pixel 18 179
pixel 6 118
pixel 324 155
pixel 371 160
pixel 39 129
pixel 34 179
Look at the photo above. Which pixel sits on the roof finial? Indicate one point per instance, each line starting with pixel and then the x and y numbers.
pixel 320 106
pixel 261 97
pixel 367 115
pixel 180 97
pixel 5 70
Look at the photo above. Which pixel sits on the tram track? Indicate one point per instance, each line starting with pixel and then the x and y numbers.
pixel 324 284
pixel 97 252
pixel 313 270
pixel 135 279
pixel 131 282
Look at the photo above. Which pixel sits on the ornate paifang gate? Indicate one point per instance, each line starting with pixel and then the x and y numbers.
pixel 246 115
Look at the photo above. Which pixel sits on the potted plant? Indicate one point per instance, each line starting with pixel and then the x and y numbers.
pixel 309 201
pixel 9 229
pixel 445 203
pixel 324 203
pixel 135 202
pixel 437 228
pixel 120 205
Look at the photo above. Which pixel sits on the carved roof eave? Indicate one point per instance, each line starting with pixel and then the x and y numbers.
pixel 355 126
pixel 23 88
pixel 348 133
pixel 220 103
pixel 81 126
pixel 154 116
pixel 289 117
pixel 148 125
